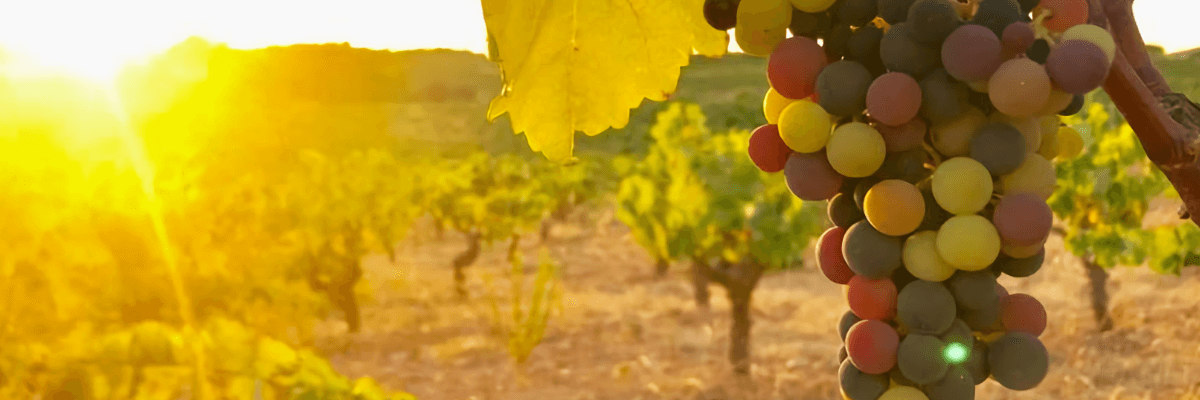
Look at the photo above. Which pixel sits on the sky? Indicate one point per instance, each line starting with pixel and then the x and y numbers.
pixel 102 34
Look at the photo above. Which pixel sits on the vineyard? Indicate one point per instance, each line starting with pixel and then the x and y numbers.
pixel 878 200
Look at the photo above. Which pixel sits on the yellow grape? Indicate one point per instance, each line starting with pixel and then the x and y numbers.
pixel 922 260
pixel 894 207
pixel 804 126
pixel 761 25
pixel 968 242
pixel 903 393
pixel 773 104
pixel 1049 147
pixel 1094 34
pixel 1070 144
pixel 1030 127
pixel 1057 101
pixel 856 150
pixel 953 138
pixel 1036 175
pixel 1020 87
pixel 812 6
pixel 1023 251
pixel 962 186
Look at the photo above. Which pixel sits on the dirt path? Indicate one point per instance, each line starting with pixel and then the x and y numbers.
pixel 625 336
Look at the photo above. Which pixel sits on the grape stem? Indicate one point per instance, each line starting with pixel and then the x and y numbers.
pixel 1167 123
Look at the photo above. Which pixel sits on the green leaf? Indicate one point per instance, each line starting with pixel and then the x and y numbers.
pixel 581 65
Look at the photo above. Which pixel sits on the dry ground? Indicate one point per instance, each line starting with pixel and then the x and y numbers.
pixel 624 335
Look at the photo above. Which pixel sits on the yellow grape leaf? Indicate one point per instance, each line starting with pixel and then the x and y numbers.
pixel 581 65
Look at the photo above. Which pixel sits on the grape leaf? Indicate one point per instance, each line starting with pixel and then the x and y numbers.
pixel 581 65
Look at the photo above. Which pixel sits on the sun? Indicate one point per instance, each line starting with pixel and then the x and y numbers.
pixel 99 65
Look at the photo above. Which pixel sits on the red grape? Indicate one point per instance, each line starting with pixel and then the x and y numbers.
pixel 1023 313
pixel 1023 219
pixel 767 150
pixel 1077 66
pixel 894 98
pixel 793 67
pixel 872 298
pixel 871 345
pixel 971 53
pixel 829 256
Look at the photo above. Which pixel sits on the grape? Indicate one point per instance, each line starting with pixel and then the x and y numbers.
pixel 872 346
pixel 1022 219
pixel 810 25
pixel 1077 66
pixel 1015 251
pixel 860 190
pixel 958 332
pixel 973 290
pixel 872 298
pixel 1020 267
pixel 976 363
pixel 1030 127
pixel 848 320
pixel 942 96
pixel 773 105
pixel 793 67
pixel 762 25
pixel 1036 175
pixel 829 256
pixel 857 12
pixel 901 52
pixel 925 307
pixel 997 14
pixel 1073 108
pixel 1019 88
pixel 837 41
pixel 1017 37
pixel 1049 126
pixel 903 393
pixel 894 11
pixel 1058 101
pixel 935 215
pixel 812 6
pixel 805 126
pixel 721 14
pixel 894 98
pixel 908 166
pixel 870 253
pixel 810 177
pixel 1021 313
pixel 767 150
pixel 920 358
pixel 971 53
pixel 858 385
pixel 956 385
pixel 953 138
pixel 968 242
pixel 843 88
pixel 1038 51
pixel 1018 361
pixel 898 378
pixel 856 150
pixel 1094 35
pixel 1070 144
pixel 905 137
pixel 986 319
pixel 922 260
pixel 999 147
pixel 843 212
pixel 1064 13
pixel 894 207
pixel 933 20
pixel 962 186
pixel 863 47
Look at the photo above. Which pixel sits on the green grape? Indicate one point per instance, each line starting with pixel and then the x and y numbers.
pixel 973 290
pixel 953 138
pixel 1017 360
pixel 773 105
pixel 901 52
pixel 933 20
pixel 1030 128
pixel 843 212
pixel 856 150
pixel 1036 176
pixel 942 96
pixel 968 242
pixel 920 358
pixel 999 147
pixel 962 186
pixel 761 25
pixel 804 126
pixel 925 307
pixel 870 253
pixel 956 385
pixel 858 385
pixel 842 88
pixel 922 260
pixel 1094 35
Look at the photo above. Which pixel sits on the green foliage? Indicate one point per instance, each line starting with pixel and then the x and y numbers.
pixel 526 325
pixel 697 195
pixel 1104 194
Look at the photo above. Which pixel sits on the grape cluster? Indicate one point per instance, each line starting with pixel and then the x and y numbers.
pixel 930 127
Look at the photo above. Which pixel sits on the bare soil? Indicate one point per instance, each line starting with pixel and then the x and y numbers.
pixel 623 335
